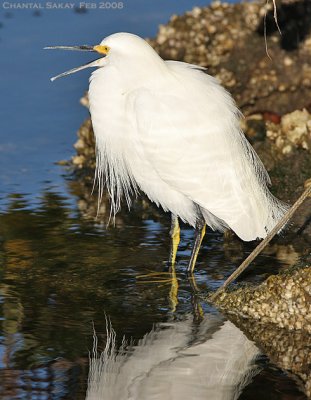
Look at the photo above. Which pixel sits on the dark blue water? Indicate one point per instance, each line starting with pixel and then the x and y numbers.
pixel 59 271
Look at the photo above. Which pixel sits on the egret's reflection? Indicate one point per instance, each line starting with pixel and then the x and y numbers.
pixel 178 360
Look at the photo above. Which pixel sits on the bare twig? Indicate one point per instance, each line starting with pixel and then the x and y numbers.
pixel 265 32
pixel 275 16
pixel 264 243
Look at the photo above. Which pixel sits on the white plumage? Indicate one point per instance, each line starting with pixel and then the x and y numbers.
pixel 170 130
pixel 175 361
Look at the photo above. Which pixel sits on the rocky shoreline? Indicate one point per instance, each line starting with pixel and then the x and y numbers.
pixel 277 316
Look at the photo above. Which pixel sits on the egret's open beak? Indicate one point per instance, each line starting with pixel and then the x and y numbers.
pixel 102 50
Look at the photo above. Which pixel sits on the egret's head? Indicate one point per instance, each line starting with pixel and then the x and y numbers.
pixel 120 48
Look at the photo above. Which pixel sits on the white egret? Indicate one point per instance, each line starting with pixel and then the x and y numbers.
pixel 169 129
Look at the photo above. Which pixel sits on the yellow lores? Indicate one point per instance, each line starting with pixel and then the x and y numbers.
pixel 101 49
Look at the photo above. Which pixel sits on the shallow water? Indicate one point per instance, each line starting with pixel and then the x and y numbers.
pixel 60 272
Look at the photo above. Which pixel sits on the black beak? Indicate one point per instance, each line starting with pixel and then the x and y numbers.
pixel 84 47
pixel 95 49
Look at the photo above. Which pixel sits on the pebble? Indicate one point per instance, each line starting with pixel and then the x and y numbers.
pixel 292 132
pixel 287 61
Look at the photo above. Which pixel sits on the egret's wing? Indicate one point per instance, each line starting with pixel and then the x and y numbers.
pixel 189 132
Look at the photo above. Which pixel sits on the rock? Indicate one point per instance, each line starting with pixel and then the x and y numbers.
pixel 293 131
pixel 276 315
pixel 228 39
pixel 283 300
pixel 289 350
pixel 85 148
pixel 307 183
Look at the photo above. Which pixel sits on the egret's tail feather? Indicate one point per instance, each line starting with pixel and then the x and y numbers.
pixel 267 212
pixel 278 209
pixel 217 224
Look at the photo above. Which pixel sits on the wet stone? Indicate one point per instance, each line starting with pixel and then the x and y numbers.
pixel 283 300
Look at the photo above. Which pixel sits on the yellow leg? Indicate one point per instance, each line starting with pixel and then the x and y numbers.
pixel 200 233
pixel 173 295
pixel 164 278
pixel 169 277
pixel 175 239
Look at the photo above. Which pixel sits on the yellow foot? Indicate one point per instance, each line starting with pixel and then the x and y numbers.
pixel 155 277
pixel 161 279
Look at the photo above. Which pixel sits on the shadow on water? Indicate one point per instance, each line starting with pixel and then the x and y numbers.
pixel 61 272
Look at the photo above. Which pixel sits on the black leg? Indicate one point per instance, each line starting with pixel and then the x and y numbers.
pixel 197 309
pixel 199 235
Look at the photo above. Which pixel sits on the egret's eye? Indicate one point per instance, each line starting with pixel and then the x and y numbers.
pixel 102 49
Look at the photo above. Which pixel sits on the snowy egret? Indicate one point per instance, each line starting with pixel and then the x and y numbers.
pixel 169 129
